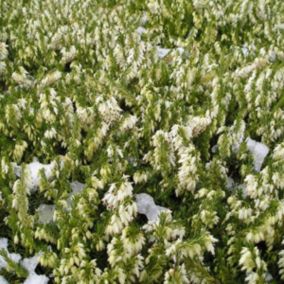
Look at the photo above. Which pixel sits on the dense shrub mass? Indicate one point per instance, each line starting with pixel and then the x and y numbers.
pixel 181 100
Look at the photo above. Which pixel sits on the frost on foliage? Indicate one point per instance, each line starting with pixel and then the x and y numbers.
pixel 147 206
pixel 259 152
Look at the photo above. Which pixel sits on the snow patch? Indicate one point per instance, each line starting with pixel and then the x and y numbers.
pixel 3 243
pixel 13 256
pixel 140 30
pixel 33 173
pixel 36 279
pixel 3 280
pixel 30 265
pixel 230 183
pixel 77 188
pixel 259 152
pixel 163 52
pixel 45 213
pixel 147 206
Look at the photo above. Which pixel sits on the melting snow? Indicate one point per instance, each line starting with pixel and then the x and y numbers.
pixel 230 183
pixel 147 206
pixel 33 173
pixel 13 256
pixel 3 243
pixel 140 30
pixel 29 264
pixel 45 213
pixel 76 187
pixel 3 280
pixel 36 279
pixel 162 52
pixel 259 152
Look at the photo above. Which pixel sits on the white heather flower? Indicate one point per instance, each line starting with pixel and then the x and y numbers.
pixel 251 186
pixel 129 122
pixel 177 275
pixel 115 194
pixel 109 110
pixel 2 67
pixel 3 51
pixel 21 79
pixel 126 213
pixel 50 133
pixel 115 225
pixel 140 177
pixel 196 126
pixel 4 166
pixel 68 55
pixel 246 260
pixel 19 150
pixel 278 153
pixel 245 213
pixel 50 78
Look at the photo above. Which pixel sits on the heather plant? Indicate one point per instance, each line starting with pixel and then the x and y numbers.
pixel 142 141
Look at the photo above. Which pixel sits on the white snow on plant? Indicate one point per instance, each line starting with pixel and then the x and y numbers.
pixel 140 30
pixel 77 188
pixel 230 183
pixel 3 243
pixel 214 149
pixel 163 52
pixel 36 279
pixel 33 173
pixel 3 280
pixel 245 50
pixel 147 206
pixel 45 213
pixel 259 152
pixel 13 256
pixel 180 50
pixel 29 264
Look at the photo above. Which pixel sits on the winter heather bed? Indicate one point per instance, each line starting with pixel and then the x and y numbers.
pixel 141 141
